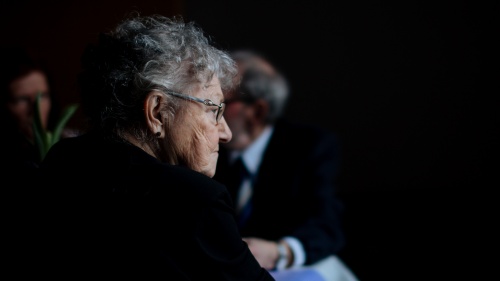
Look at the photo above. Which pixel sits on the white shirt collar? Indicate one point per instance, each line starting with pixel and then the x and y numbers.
pixel 252 156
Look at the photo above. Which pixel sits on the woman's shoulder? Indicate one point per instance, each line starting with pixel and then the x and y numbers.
pixel 191 183
pixel 124 167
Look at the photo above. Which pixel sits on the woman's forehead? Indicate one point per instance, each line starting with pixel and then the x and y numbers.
pixel 212 89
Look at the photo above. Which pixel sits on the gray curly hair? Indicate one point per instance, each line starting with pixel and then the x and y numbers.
pixel 140 55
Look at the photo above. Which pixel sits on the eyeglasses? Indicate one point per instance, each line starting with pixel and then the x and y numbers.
pixel 220 107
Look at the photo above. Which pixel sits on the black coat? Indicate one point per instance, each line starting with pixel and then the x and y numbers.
pixel 110 210
pixel 294 193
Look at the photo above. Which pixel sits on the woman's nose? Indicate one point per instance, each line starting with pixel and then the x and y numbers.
pixel 225 133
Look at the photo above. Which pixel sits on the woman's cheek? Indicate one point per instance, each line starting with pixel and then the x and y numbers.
pixel 209 143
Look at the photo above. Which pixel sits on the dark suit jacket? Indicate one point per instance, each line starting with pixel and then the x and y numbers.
pixel 294 192
pixel 110 210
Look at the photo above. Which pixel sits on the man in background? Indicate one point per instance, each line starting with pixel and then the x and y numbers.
pixel 281 175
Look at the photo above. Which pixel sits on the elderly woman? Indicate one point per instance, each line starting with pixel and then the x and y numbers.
pixel 137 199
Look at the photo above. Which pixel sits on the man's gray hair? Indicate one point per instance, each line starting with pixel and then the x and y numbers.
pixel 260 80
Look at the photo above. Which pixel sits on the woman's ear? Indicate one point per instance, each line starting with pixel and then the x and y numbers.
pixel 153 112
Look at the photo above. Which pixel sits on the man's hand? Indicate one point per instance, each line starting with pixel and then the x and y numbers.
pixel 265 251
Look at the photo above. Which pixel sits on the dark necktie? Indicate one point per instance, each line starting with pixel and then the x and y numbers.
pixel 243 185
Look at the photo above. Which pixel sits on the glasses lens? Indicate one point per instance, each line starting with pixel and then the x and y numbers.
pixel 222 107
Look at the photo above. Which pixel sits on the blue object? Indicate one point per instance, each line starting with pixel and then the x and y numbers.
pixel 297 275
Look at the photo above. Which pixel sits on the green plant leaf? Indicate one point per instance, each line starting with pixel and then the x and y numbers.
pixel 38 130
pixel 43 138
pixel 66 115
pixel 38 141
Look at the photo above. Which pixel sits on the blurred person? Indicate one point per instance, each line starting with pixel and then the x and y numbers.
pixel 139 201
pixel 286 203
pixel 22 78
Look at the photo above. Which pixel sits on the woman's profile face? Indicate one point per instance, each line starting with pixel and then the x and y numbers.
pixel 198 134
pixel 23 92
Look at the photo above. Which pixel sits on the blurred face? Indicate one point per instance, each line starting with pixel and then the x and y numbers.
pixel 236 115
pixel 23 92
pixel 241 116
pixel 198 134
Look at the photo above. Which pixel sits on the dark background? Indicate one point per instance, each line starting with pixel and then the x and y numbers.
pixel 410 88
